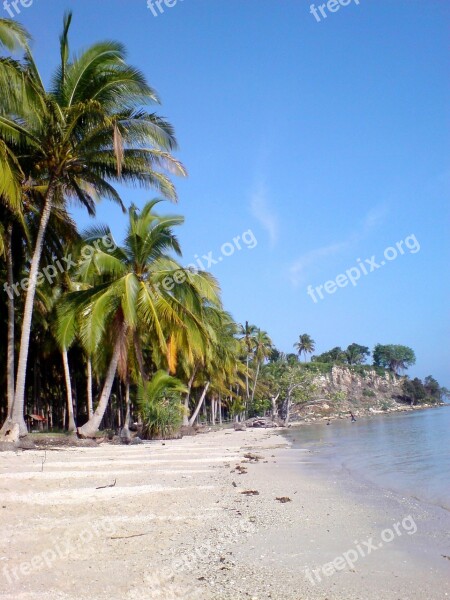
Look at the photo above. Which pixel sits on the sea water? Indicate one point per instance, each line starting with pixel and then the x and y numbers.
pixel 408 453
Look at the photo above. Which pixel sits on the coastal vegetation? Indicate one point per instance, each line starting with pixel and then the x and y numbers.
pixel 99 333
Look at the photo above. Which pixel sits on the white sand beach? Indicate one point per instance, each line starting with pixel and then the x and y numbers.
pixel 177 524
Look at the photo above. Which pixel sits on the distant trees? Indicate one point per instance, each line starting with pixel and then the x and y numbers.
pixel 288 383
pixel 354 355
pixel 396 358
pixel 418 392
pixel 335 356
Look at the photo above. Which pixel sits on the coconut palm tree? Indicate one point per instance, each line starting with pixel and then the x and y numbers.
pixel 219 367
pixel 263 349
pixel 305 345
pixel 247 334
pixel 72 140
pixel 136 289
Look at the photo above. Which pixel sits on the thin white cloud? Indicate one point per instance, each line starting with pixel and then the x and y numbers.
pixel 262 211
pixel 299 268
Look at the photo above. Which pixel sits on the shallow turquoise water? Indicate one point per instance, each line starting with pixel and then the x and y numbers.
pixel 405 452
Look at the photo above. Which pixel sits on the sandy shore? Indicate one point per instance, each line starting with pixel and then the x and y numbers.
pixel 176 524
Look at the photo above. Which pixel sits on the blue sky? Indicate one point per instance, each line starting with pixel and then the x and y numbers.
pixel 328 140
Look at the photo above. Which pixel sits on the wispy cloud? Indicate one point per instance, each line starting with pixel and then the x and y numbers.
pixel 299 268
pixel 261 210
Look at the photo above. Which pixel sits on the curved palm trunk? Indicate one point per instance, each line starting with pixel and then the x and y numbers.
pixel 199 405
pixel 19 396
pixel 187 398
pixel 90 428
pixel 71 427
pixel 11 333
pixel 89 388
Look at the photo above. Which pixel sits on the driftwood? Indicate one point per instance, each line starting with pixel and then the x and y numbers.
pixel 102 487
pixel 127 537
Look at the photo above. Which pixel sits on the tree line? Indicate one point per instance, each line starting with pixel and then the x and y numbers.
pixel 100 332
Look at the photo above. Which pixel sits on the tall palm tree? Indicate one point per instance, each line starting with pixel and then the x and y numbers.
pixel 305 345
pixel 137 288
pixel 12 37
pixel 71 141
pixel 263 349
pixel 219 367
pixel 247 334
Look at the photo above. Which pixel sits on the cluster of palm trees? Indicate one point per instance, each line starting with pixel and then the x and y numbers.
pixel 125 322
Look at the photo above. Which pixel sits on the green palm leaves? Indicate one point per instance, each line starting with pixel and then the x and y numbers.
pixel 139 292
pixel 305 345
pixel 92 129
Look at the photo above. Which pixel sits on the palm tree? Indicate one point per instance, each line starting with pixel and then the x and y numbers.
pixel 71 141
pixel 12 37
pixel 219 369
pixel 137 289
pixel 305 345
pixel 263 349
pixel 247 336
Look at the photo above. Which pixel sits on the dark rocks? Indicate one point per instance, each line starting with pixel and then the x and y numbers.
pixel 261 422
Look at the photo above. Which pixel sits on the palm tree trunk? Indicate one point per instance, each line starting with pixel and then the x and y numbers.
pixel 246 378
pixel 89 388
pixel 213 410
pixel 125 435
pixel 11 323
pixel 220 409
pixel 71 427
pixel 199 405
pixel 256 381
pixel 90 428
pixel 187 398
pixel 19 396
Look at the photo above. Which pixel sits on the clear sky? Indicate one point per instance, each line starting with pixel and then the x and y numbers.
pixel 328 140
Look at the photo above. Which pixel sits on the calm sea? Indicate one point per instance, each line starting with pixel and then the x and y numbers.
pixel 405 452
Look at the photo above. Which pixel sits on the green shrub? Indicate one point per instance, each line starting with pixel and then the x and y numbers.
pixel 160 405
pixel 316 367
pixel 368 393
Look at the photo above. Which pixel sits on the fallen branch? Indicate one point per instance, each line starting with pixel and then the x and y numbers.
pixel 127 537
pixel 102 487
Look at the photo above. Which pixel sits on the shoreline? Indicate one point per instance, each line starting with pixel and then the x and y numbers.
pixel 366 413
pixel 177 525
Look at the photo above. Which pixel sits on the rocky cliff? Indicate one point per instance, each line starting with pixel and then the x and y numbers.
pixel 347 389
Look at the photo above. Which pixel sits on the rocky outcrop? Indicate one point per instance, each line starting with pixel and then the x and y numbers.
pixel 358 390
